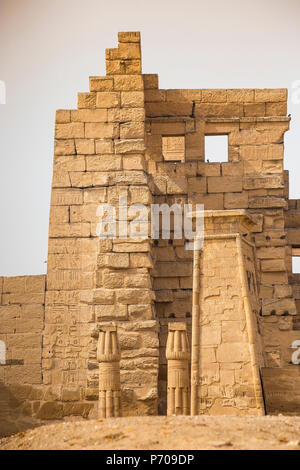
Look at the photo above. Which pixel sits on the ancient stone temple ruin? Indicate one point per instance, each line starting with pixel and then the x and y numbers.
pixel 137 326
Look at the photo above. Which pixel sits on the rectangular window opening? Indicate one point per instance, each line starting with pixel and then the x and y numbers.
pixel 173 148
pixel 216 148
pixel 296 260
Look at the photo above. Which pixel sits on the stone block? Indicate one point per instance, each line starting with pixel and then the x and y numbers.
pixel 278 307
pixel 133 114
pixel 270 252
pixel 293 236
pixel 104 146
pixel 266 202
pixel 132 99
pixel 233 352
pixel 117 260
pixel 138 312
pixel 64 147
pixel 14 284
pixel 128 83
pixel 155 95
pixel 85 146
pixel 132 130
pixel 66 197
pixel 234 331
pixel 101 84
pixel 112 280
pixel 276 109
pixel 210 335
pixel 140 195
pixel 106 99
pixel 86 100
pixel 268 182
pixel 222 184
pixel 35 283
pixel 121 67
pixel 94 195
pixel 103 163
pixel 210 201
pixel 129 146
pixel 255 137
pixel 214 96
pixel 134 296
pixel 86 180
pixel 236 200
pixel 254 109
pixel 282 292
pixel 69 130
pixel 219 110
pixel 168 108
pixel 271 95
pixel 100 130
pixel 242 95
pixel 62 116
pixel 67 163
pixel 50 410
pixel 89 115
pixel 196 184
pixel 132 36
pixel 150 81
pixel 232 169
pixel 274 278
pixel 171 269
pixel 129 51
pixel 177 186
pixel 184 95
pixel 111 312
pixel 134 162
pixel 263 152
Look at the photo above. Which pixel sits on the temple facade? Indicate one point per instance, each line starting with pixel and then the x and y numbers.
pixel 231 309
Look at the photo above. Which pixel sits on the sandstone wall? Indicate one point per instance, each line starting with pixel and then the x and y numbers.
pixel 99 156
pixel 111 146
pixel 21 325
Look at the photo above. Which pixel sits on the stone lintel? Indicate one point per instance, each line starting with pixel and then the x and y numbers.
pixel 249 119
pixel 226 221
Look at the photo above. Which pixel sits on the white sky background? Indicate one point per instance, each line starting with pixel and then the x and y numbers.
pixel 48 49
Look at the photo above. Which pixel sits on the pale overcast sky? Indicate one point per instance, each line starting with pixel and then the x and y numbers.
pixel 48 49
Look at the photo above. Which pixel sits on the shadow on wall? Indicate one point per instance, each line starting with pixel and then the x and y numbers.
pixel 13 417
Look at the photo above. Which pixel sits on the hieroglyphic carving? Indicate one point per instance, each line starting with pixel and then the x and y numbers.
pixel 173 148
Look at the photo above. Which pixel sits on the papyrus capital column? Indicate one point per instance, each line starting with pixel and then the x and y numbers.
pixel 178 355
pixel 108 355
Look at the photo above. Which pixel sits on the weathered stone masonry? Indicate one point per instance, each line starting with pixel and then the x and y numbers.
pixel 115 145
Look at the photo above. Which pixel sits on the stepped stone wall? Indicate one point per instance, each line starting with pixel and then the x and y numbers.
pixel 128 138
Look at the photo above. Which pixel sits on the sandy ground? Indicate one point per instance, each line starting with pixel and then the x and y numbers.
pixel 161 432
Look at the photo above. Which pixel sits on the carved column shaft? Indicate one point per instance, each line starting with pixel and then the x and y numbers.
pixel 108 355
pixel 178 355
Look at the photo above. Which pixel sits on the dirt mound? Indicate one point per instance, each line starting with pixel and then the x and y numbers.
pixel 161 432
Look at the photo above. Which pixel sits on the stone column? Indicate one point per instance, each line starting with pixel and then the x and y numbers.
pixel 108 355
pixel 178 355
